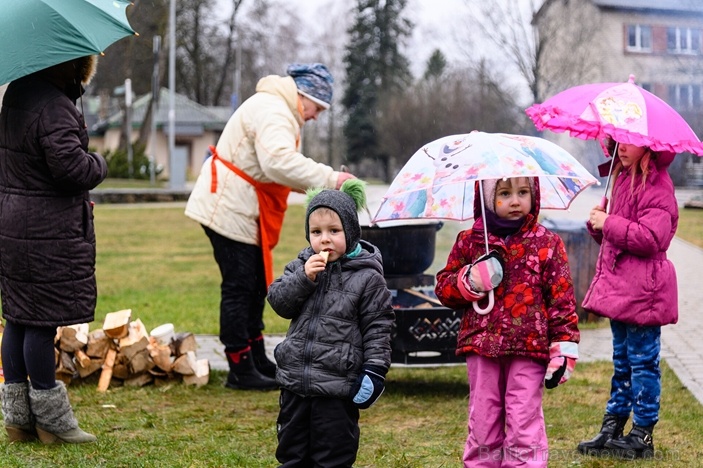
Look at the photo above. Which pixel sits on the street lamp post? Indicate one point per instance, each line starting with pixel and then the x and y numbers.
pixel 172 91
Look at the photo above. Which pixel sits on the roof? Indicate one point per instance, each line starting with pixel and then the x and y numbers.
pixel 188 113
pixel 677 6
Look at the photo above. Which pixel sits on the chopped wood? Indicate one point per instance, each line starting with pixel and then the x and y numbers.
pixel 185 364
pixel 161 355
pixel 136 340
pixel 73 337
pixel 127 354
pixel 65 378
pixel 116 324
pixel 184 343
pixel 120 370
pixel 201 375
pixel 82 358
pixel 139 380
pixel 98 344
pixel 66 365
pixel 106 374
pixel 91 368
pixel 140 362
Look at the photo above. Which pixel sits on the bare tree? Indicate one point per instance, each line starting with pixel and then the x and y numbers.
pixel 454 102
pixel 524 36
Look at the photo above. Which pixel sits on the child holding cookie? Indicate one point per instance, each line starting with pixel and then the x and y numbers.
pixel 337 351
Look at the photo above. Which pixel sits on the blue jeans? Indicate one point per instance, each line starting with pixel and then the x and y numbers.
pixel 636 382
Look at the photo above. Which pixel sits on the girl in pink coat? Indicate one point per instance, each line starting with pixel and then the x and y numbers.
pixel 635 287
pixel 527 340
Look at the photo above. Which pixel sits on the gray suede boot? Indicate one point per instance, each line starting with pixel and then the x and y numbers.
pixel 55 420
pixel 19 421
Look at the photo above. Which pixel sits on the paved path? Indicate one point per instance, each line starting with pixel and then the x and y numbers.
pixel 682 344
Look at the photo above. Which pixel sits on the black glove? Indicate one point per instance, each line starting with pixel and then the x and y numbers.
pixel 369 386
pixel 553 381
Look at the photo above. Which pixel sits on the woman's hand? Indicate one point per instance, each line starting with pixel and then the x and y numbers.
pixel 343 176
pixel 597 218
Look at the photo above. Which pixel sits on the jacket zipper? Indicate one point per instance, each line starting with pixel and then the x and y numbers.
pixel 310 335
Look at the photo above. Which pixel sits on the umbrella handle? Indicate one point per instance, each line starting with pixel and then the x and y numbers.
pixel 603 202
pixel 488 308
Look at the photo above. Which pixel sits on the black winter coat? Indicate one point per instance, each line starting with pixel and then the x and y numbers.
pixel 339 323
pixel 47 240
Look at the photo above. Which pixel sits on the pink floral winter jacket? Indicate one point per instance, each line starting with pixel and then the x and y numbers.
pixel 534 304
pixel 634 282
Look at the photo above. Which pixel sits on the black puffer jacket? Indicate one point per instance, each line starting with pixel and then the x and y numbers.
pixel 47 241
pixel 339 322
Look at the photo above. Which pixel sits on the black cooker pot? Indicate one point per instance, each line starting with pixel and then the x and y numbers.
pixel 406 249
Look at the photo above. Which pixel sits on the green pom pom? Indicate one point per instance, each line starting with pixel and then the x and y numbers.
pixel 310 194
pixel 356 189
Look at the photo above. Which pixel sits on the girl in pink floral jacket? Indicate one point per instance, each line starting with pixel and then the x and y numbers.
pixel 528 339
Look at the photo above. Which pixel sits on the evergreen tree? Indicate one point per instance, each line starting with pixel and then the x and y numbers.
pixel 376 70
pixel 436 65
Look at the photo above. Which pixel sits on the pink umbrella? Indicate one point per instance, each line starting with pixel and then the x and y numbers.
pixel 623 111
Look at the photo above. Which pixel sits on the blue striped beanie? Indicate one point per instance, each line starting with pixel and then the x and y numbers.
pixel 314 82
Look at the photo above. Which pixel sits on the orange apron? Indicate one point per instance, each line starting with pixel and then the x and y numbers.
pixel 273 201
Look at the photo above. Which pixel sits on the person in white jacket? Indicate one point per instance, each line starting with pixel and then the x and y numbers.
pixel 240 198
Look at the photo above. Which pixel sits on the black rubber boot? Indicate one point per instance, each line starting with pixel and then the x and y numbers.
pixel 244 375
pixel 261 361
pixel 612 428
pixel 637 444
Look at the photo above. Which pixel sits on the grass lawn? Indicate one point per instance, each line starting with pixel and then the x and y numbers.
pixel 419 422
pixel 158 263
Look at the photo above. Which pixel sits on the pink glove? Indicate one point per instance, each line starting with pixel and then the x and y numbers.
pixel 486 272
pixel 562 361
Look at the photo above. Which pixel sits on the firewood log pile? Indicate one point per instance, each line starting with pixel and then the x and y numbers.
pixel 123 353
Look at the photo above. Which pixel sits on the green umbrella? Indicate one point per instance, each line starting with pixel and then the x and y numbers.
pixel 36 34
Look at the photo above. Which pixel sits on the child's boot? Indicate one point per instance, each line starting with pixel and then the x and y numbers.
pixel 261 361
pixel 637 444
pixel 19 421
pixel 54 415
pixel 243 373
pixel 612 428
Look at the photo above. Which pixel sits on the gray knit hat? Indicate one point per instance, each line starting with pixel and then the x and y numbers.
pixel 313 81
pixel 346 202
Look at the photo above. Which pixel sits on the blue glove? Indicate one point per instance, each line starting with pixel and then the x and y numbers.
pixel 369 386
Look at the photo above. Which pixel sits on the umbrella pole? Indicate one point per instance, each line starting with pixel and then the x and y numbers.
pixel 604 200
pixel 491 298
pixel 483 215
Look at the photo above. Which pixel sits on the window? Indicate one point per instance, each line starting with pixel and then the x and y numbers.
pixel 685 96
pixel 639 38
pixel 683 40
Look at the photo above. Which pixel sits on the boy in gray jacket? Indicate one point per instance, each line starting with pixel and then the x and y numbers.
pixel 337 351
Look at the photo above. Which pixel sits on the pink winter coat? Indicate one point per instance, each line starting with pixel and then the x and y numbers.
pixel 634 282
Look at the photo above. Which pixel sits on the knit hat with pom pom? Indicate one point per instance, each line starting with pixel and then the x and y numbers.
pixel 346 202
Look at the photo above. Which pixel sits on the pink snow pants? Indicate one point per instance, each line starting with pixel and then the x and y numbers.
pixel 506 422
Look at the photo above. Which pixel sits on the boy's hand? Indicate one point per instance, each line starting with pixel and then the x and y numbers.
pixel 315 264
pixel 369 386
pixel 486 272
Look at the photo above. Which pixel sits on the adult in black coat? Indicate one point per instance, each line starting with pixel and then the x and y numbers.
pixel 47 243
